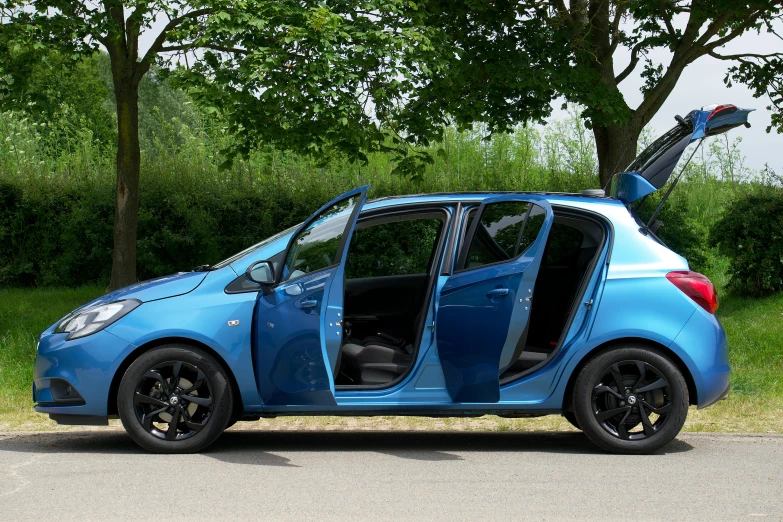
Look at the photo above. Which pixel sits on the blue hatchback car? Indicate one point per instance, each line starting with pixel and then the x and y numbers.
pixel 512 304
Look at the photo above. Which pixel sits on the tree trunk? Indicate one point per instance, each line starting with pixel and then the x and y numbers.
pixel 126 201
pixel 616 148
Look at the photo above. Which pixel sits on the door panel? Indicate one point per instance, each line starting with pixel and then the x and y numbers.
pixel 297 329
pixel 484 308
pixel 289 357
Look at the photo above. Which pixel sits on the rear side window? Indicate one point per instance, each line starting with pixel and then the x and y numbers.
pixel 391 249
pixel 505 230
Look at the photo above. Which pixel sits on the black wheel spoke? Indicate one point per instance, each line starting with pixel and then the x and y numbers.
pixel 660 383
pixel 147 419
pixel 648 427
pixel 154 374
pixel 196 385
pixel 603 415
pixel 175 375
pixel 621 429
pixel 642 373
pixel 140 398
pixel 195 426
pixel 618 378
pixel 201 401
pixel 171 433
pixel 663 410
pixel 606 389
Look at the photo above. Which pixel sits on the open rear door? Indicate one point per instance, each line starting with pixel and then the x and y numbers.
pixel 484 306
pixel 298 324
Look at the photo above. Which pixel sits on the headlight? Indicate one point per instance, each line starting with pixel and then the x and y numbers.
pixel 95 318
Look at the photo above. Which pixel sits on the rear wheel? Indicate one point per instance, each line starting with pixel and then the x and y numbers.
pixel 630 400
pixel 175 399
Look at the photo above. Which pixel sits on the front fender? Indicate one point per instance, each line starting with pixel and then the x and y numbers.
pixel 202 316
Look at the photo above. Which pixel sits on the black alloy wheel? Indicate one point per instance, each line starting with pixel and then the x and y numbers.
pixel 631 400
pixel 175 399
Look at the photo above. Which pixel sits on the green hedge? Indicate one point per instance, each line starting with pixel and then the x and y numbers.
pixel 750 234
pixel 61 234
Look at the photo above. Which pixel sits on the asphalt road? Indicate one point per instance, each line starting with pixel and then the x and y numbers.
pixel 356 475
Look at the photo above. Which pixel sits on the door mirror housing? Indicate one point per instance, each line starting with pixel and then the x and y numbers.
pixel 261 272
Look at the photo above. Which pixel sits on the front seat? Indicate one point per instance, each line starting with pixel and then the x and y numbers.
pixel 373 364
pixel 388 341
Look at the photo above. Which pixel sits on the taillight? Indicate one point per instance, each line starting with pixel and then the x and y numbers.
pixel 697 287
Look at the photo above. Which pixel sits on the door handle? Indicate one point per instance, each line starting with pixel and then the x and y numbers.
pixel 497 292
pixel 308 304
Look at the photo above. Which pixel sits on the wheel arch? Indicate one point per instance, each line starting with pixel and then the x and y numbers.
pixel 609 345
pixel 135 354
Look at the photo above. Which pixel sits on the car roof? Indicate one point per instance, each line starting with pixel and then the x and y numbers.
pixel 571 199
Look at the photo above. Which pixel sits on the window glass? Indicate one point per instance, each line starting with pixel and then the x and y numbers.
pixel 394 248
pixel 316 247
pixel 257 246
pixel 535 220
pixel 503 232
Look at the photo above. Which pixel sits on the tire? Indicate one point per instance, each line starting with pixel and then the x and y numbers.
pixel 636 383
pixel 571 417
pixel 175 380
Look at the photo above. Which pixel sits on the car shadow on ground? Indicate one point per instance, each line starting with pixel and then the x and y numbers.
pixel 258 447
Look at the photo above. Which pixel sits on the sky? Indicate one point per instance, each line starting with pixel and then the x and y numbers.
pixel 700 84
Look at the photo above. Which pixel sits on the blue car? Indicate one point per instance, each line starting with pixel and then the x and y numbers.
pixel 439 305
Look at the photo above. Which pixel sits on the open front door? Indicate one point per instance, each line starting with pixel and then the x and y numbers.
pixel 298 324
pixel 484 306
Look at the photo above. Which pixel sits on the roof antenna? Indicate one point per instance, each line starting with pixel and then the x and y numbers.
pixel 671 188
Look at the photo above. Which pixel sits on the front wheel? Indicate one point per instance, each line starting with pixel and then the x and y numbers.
pixel 175 399
pixel 630 400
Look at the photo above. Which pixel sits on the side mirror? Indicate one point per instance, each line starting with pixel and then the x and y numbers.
pixel 261 272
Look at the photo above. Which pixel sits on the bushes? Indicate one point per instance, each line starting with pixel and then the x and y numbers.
pixel 750 234
pixel 61 234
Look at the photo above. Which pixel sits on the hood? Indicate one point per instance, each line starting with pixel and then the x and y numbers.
pixel 154 289
pixel 654 166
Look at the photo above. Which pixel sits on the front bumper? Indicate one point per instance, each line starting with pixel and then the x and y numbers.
pixel 73 378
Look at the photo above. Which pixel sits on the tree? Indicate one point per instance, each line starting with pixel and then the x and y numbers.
pixel 297 72
pixel 513 57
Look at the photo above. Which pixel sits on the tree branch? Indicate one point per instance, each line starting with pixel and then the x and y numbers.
pixel 743 56
pixel 173 23
pixel 615 31
pixel 192 45
pixel 634 61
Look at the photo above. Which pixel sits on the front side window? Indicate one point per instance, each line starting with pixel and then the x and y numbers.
pixel 505 230
pixel 317 246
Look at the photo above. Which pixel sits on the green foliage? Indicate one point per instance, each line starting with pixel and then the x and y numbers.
pixel 750 234
pixel 407 248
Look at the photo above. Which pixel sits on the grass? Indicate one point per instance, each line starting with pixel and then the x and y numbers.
pixel 755 405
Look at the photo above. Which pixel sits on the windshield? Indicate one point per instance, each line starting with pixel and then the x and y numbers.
pixel 262 244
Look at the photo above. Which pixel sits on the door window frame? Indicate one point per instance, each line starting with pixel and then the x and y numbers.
pixel 449 209
pixel 361 195
pixel 466 239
